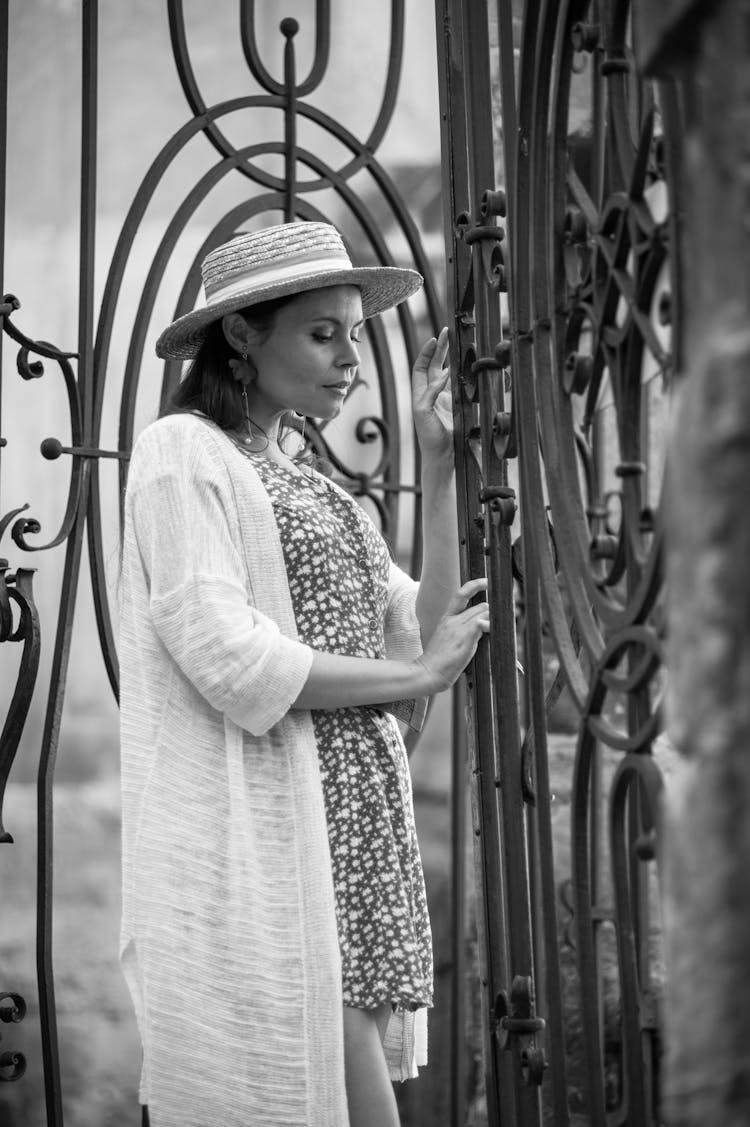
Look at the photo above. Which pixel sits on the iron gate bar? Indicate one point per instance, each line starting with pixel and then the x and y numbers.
pixel 71 575
pixel 289 29
pixel 458 825
pixel 16 587
pixel 526 147
pixel 505 757
pixel 490 912
pixel 4 47
pixel 513 1061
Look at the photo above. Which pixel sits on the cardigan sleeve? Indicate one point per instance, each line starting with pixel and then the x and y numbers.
pixel 180 514
pixel 403 639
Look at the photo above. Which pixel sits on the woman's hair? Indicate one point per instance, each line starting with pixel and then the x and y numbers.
pixel 208 385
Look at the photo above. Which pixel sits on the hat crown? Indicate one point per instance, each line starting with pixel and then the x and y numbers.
pixel 279 262
pixel 272 256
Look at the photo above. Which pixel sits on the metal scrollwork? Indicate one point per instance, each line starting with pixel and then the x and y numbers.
pixel 596 256
pixel 372 484
pixel 12 1009
pixel 16 588
pixel 33 370
pixel 289 194
pixel 567 333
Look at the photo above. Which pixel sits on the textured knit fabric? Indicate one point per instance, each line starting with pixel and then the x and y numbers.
pixel 338 568
pixel 229 942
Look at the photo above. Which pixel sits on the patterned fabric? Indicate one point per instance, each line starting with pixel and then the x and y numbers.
pixel 338 567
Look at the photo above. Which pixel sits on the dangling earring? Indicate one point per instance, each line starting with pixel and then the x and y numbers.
pixel 257 439
pixel 296 416
pixel 242 371
pixel 246 407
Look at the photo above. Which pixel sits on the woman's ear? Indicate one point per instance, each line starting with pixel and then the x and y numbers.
pixel 237 332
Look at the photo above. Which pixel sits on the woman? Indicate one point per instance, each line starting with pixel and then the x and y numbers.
pixel 275 934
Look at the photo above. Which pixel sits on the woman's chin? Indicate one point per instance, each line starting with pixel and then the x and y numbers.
pixel 331 411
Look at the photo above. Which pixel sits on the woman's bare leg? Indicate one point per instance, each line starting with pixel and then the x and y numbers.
pixel 369 1091
pixel 382 1017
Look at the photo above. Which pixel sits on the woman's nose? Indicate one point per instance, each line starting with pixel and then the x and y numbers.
pixel 350 355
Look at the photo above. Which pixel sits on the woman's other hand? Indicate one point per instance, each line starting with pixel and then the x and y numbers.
pixel 456 637
pixel 431 398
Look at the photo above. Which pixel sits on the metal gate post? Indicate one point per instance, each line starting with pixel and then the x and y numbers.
pixel 524 141
pixel 486 511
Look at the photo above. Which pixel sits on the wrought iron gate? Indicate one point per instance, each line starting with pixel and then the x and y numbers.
pixel 296 161
pixel 563 350
pixel 565 354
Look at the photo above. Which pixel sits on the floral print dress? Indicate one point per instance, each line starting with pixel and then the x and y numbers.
pixel 337 566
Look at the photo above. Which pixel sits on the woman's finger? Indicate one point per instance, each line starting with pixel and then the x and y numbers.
pixel 438 385
pixel 475 615
pixel 439 355
pixel 465 594
pixel 432 353
pixel 472 587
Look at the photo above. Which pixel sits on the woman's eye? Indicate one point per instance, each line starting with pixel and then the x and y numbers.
pixel 356 340
pixel 324 338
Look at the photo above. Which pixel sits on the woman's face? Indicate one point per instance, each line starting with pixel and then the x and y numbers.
pixel 307 362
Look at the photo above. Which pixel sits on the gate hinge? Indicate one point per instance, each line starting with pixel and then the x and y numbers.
pixel 501 502
pixel 515 1017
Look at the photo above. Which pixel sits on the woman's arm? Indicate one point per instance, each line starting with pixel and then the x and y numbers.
pixel 178 518
pixel 433 423
pixel 336 681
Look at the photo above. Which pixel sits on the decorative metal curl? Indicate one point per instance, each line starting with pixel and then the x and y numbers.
pixel 643 649
pixel 14 1012
pixel 280 93
pixel 17 588
pixel 12 1065
pixel 635 829
pixel 29 370
pixel 372 485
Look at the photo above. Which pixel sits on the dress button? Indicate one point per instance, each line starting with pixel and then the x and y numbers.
pixel 373 623
pixel 362 561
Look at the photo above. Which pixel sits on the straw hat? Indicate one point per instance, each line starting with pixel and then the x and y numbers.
pixel 286 259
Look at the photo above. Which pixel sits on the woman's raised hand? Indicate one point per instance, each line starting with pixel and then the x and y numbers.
pixel 456 637
pixel 431 398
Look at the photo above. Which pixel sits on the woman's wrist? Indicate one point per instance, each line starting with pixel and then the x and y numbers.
pixel 421 681
pixel 438 462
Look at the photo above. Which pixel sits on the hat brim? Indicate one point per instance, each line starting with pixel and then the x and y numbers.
pixel 382 287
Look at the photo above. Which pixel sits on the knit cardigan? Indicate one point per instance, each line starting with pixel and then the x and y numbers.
pixel 229 943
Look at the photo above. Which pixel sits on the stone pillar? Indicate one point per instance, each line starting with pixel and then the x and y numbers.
pixel 706 46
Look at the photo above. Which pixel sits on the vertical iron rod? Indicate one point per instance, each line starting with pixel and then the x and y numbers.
pixel 71 573
pixel 458 906
pixel 289 28
pixel 3 160
pixel 452 82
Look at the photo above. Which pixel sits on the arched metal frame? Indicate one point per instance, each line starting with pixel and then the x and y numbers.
pixel 85 372
pixel 561 321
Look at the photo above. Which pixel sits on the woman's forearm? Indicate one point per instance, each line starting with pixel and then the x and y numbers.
pixel 338 681
pixel 439 578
